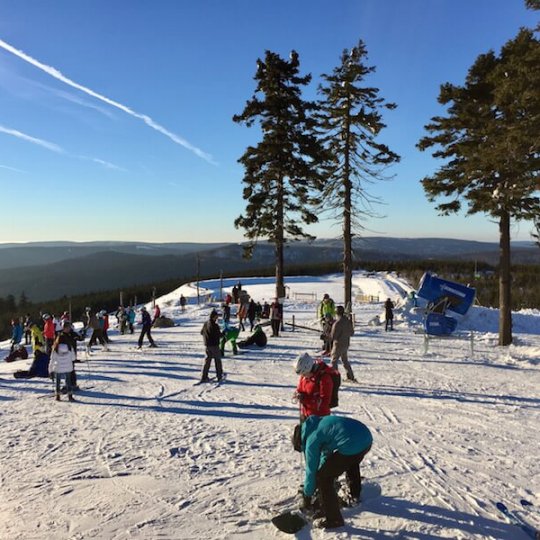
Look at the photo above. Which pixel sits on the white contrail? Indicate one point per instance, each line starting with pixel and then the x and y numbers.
pixel 11 168
pixel 106 164
pixel 146 119
pixel 53 147
pixel 46 144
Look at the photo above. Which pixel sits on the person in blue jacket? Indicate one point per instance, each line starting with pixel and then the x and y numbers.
pixel 16 334
pixel 332 445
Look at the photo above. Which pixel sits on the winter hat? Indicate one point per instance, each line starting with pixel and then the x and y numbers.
pixel 214 314
pixel 63 348
pixel 304 364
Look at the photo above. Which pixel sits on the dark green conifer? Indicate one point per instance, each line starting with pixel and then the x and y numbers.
pixel 490 141
pixel 350 120
pixel 282 172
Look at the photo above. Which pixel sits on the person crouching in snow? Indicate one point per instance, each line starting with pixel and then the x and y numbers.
pixel 61 366
pixel 332 445
pixel 314 390
pixel 230 334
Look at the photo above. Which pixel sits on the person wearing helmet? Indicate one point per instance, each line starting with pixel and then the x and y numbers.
pixel 211 334
pixel 315 386
pixel 146 322
pixel 332 445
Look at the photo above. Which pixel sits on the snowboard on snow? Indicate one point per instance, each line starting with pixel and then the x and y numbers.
pixel 294 520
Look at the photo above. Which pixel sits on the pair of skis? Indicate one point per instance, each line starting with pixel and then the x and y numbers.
pixel 518 521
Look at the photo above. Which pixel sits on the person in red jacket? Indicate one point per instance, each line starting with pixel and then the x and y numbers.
pixel 49 332
pixel 314 390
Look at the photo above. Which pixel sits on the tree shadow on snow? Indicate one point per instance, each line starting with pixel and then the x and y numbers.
pixel 434 393
pixel 442 518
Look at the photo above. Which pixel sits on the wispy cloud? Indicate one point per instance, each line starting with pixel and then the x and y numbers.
pixel 107 164
pixel 53 72
pixel 54 148
pixel 34 140
pixel 11 168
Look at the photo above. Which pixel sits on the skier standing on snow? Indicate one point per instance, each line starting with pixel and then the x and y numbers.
pixel 146 322
pixel 276 315
pixel 389 314
pixel 332 445
pixel 61 365
pixel 342 331
pixel 314 390
pixel 211 334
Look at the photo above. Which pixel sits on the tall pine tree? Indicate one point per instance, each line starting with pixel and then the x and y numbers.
pixel 490 142
pixel 282 172
pixel 350 120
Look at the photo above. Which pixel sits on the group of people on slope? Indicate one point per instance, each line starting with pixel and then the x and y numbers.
pixel 216 338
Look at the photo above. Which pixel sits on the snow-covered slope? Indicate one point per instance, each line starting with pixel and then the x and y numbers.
pixel 148 454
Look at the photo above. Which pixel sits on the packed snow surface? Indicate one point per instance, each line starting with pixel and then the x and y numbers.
pixel 146 453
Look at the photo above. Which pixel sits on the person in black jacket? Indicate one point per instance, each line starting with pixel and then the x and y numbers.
pixel 211 334
pixel 146 322
pixel 389 314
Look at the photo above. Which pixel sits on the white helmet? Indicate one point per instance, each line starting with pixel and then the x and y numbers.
pixel 304 364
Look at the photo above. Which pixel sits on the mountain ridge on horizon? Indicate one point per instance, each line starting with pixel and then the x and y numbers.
pixel 48 272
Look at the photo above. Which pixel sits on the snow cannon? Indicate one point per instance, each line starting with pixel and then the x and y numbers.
pixel 443 295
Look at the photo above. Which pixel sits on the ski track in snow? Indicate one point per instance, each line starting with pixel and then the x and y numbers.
pixel 146 453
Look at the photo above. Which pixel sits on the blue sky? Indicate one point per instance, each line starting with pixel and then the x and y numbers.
pixel 116 115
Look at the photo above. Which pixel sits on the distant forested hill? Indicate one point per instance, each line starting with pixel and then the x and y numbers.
pixel 49 271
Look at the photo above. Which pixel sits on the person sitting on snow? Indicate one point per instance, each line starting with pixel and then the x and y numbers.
pixel 229 334
pixel 332 445
pixel 258 338
pixel 16 334
pixel 315 386
pixel 39 367
pixel 19 352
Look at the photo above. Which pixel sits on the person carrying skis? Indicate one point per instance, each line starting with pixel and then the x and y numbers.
pixel 332 445
pixel 389 314
pixel 211 335
pixel 146 322
pixel 315 386
pixel 342 331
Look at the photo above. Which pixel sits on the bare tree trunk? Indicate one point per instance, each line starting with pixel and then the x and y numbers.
pixel 280 241
pixel 347 225
pixel 505 298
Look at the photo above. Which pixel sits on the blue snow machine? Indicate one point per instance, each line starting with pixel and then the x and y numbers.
pixel 442 296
